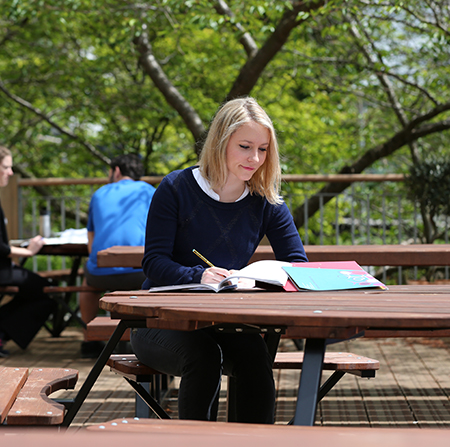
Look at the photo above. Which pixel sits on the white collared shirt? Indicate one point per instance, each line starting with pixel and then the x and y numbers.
pixel 206 187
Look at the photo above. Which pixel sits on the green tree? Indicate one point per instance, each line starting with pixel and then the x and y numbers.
pixel 351 85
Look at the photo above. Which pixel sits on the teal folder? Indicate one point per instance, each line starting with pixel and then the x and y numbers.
pixel 322 279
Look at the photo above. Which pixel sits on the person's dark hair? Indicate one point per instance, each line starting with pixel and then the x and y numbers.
pixel 130 165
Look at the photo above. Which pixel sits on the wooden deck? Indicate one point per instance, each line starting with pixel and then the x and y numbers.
pixel 412 387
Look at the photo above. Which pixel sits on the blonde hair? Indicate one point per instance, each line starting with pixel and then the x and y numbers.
pixel 229 118
pixel 4 152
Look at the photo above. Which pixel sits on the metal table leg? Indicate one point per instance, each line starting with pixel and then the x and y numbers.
pixel 97 368
pixel 308 390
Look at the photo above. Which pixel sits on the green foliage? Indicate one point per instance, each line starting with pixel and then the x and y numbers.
pixel 428 182
pixel 75 61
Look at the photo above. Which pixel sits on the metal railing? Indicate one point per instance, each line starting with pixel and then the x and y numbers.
pixel 356 216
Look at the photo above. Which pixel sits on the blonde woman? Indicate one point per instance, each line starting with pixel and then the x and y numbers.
pixel 222 208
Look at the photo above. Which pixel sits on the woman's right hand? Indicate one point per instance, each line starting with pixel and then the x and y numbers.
pixel 35 244
pixel 214 275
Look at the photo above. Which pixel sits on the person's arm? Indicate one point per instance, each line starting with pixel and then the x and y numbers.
pixel 161 229
pixel 90 240
pixel 283 235
pixel 34 245
pixel 158 262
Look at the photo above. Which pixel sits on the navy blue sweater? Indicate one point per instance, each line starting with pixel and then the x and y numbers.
pixel 182 217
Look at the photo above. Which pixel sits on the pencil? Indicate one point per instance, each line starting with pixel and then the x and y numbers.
pixel 202 258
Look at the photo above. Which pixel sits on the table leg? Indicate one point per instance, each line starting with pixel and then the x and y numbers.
pixel 308 390
pixel 59 322
pixel 97 368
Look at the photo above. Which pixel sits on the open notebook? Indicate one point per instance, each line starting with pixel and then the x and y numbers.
pixel 266 274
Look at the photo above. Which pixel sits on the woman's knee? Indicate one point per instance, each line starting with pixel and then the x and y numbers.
pixel 181 352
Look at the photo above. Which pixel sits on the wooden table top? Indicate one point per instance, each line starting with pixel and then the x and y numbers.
pixel 175 433
pixel 64 250
pixel 373 255
pixel 58 249
pixel 121 256
pixel 401 311
pixel 219 434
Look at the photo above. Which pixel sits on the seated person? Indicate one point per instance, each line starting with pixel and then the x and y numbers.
pixel 222 208
pixel 117 216
pixel 23 316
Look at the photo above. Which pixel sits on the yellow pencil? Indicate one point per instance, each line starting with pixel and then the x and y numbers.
pixel 203 258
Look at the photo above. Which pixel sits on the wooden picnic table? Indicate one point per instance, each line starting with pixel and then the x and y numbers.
pixel 366 255
pixel 401 311
pixel 76 252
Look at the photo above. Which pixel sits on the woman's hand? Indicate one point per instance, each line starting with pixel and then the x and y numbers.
pixel 35 244
pixel 214 275
pixel 33 247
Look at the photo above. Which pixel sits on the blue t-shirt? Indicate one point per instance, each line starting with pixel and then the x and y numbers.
pixel 182 217
pixel 117 216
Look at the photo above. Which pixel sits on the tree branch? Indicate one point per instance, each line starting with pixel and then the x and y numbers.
pixel 411 84
pixel 253 68
pixel 405 136
pixel 246 39
pixel 382 77
pixel 47 118
pixel 384 80
pixel 170 92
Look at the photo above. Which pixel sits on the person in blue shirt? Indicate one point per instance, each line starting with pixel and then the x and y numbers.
pixel 222 208
pixel 117 216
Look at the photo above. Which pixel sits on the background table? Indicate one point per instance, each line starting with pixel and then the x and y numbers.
pixel 372 255
pixel 76 252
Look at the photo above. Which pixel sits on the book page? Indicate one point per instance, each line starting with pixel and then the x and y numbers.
pixel 268 271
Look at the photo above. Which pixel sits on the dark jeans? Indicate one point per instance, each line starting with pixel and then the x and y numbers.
pixel 26 313
pixel 199 358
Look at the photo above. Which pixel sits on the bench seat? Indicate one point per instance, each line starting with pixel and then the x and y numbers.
pixel 59 274
pixel 129 366
pixel 5 290
pixel 70 289
pixel 24 395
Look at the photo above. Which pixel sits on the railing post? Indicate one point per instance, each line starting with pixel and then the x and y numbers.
pixel 10 204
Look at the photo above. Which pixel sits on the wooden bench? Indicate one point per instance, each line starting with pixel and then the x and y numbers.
pixel 135 373
pixel 24 395
pixel 8 290
pixel 60 274
pixel 71 289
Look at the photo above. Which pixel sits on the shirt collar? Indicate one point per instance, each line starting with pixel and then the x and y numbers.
pixel 206 187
